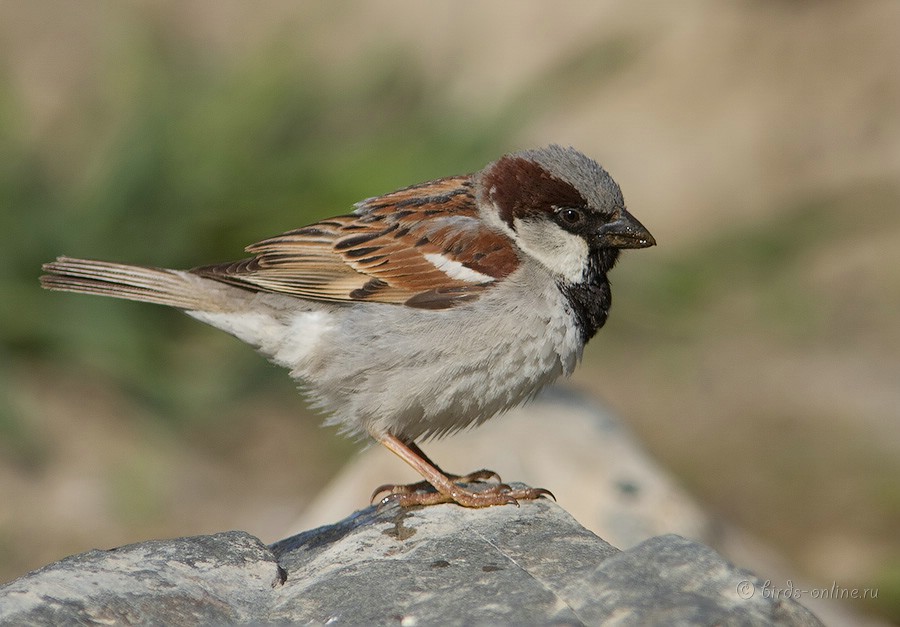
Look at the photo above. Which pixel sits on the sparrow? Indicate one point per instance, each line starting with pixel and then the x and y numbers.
pixel 424 311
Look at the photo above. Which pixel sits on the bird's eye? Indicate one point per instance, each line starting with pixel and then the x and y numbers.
pixel 569 215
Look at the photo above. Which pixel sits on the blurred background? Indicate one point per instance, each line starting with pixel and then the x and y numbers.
pixel 755 352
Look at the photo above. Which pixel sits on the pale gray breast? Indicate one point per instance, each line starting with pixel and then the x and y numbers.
pixel 419 373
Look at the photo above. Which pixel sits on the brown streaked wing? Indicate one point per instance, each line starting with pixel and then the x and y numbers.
pixel 381 252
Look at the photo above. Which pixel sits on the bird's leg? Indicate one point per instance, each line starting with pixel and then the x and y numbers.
pixel 448 490
pixel 477 476
pixel 473 477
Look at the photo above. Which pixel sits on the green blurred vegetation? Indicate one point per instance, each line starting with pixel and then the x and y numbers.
pixel 177 163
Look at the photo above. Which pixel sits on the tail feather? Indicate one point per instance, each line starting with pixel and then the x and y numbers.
pixel 174 288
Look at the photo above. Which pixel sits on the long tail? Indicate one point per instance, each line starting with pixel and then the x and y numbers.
pixel 175 288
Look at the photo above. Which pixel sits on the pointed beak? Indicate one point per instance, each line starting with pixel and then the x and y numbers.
pixel 625 232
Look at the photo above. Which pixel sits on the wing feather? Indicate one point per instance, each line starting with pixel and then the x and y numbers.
pixel 384 252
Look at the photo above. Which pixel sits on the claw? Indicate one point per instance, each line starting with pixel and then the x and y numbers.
pixel 394 489
pixel 536 493
pixel 409 488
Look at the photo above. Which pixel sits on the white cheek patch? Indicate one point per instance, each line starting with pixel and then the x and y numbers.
pixel 561 252
pixel 456 270
pixel 491 217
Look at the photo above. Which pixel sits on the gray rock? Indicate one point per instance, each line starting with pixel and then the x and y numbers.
pixel 221 578
pixel 436 565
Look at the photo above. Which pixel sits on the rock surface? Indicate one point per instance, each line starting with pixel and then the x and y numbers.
pixel 436 565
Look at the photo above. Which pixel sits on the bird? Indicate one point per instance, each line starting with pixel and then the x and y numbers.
pixel 422 312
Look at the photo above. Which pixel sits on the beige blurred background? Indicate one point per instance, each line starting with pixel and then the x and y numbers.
pixel 755 352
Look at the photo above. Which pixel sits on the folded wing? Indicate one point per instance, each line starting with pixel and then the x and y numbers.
pixel 423 246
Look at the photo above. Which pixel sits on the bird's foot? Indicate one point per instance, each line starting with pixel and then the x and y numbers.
pixel 439 487
pixel 479 476
pixel 424 493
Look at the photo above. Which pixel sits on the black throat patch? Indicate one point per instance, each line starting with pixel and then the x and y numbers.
pixel 590 300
